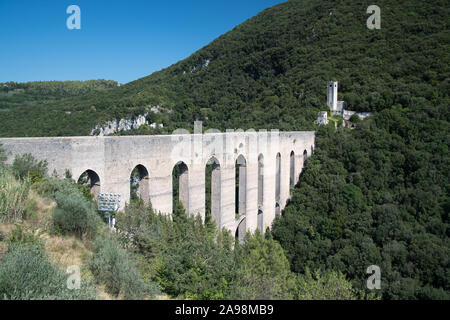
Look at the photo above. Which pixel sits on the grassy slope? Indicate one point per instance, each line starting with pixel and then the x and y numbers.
pixel 64 251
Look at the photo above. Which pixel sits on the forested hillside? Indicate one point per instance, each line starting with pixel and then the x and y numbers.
pixel 271 71
pixel 30 94
pixel 376 195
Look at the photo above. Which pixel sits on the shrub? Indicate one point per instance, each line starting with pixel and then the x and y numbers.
pixel 329 286
pixel 75 215
pixel 188 258
pixel 355 118
pixel 26 273
pixel 19 237
pixel 112 266
pixel 27 166
pixel 262 270
pixel 49 186
pixel 13 196
pixel 86 192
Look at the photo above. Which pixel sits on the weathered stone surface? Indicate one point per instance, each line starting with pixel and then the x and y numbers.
pixel 114 158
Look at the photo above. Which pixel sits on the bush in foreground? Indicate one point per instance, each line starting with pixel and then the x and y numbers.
pixel 26 166
pixel 13 196
pixel 114 267
pixel 26 273
pixel 75 215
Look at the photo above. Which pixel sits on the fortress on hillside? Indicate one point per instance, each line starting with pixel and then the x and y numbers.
pixel 337 108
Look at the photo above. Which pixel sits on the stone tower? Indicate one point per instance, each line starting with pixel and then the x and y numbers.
pixel 332 95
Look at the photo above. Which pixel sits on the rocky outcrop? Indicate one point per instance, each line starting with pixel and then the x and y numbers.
pixel 115 126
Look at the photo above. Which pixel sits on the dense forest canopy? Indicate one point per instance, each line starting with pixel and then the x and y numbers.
pixel 55 89
pixel 378 194
pixel 16 94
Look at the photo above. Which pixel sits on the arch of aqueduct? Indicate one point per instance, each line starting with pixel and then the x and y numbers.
pixel 269 164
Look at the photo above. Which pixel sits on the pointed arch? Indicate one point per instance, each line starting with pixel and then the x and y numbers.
pixel 292 170
pixel 260 181
pixel 241 195
pixel 180 185
pixel 305 156
pixel 277 209
pixel 139 184
pixel 241 184
pixel 278 178
pixel 260 215
pixel 260 221
pixel 213 190
pixel 90 179
pixel 241 230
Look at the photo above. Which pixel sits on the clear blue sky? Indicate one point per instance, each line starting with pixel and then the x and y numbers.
pixel 118 40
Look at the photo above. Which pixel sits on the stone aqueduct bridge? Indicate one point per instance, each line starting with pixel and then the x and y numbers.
pixel 269 165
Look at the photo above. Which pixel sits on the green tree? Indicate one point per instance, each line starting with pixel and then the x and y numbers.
pixel 28 166
pixel 263 270
pixel 114 267
pixel 75 215
pixel 329 286
pixel 355 118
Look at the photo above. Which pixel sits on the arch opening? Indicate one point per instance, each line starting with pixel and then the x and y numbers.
pixel 241 230
pixel 241 185
pixel 278 178
pixel 139 184
pixel 260 217
pixel 212 191
pixel 91 180
pixel 180 187
pixel 305 156
pixel 260 221
pixel 292 170
pixel 241 193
